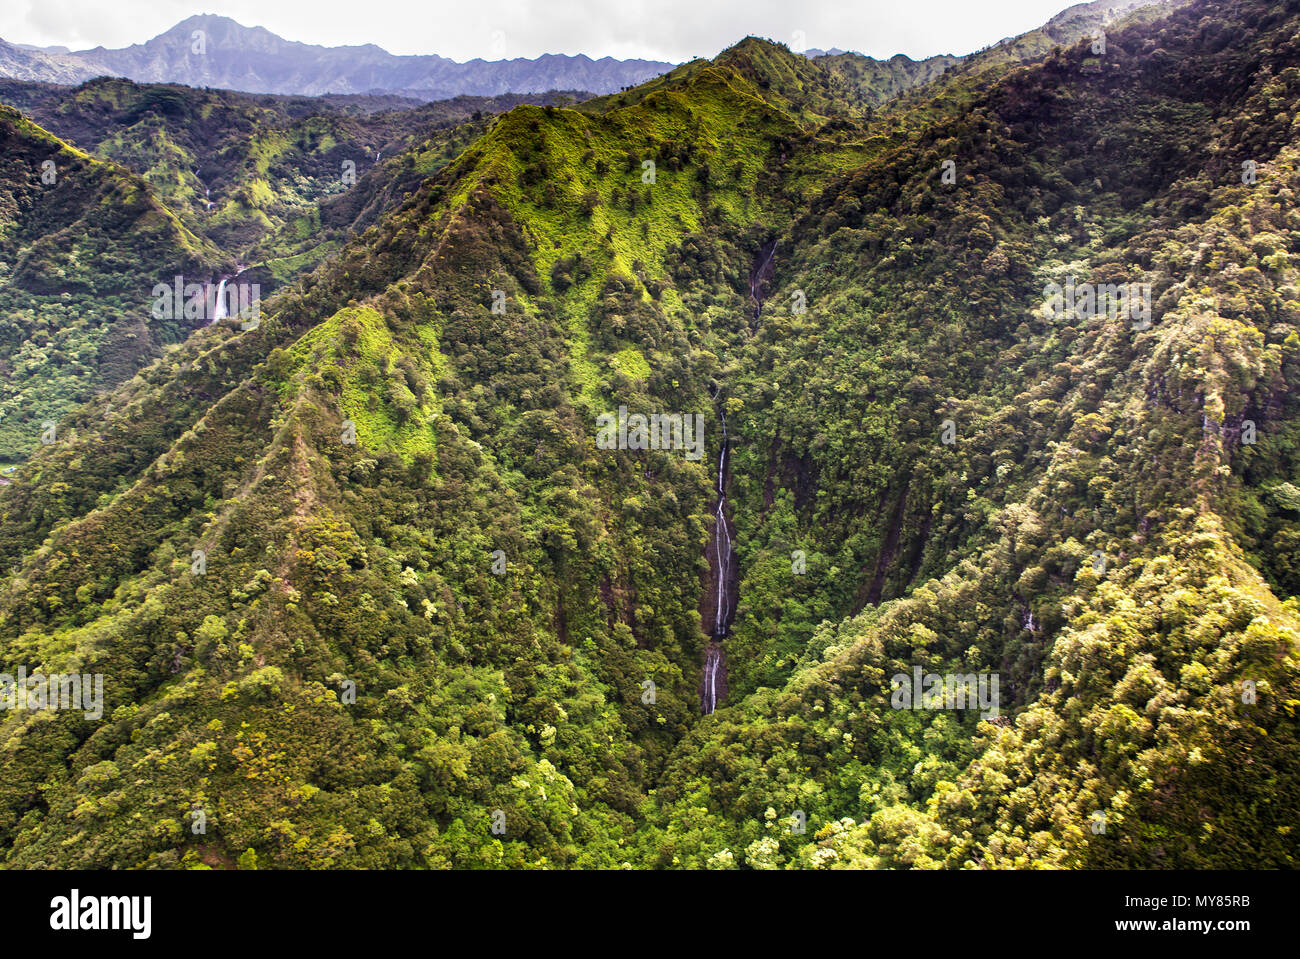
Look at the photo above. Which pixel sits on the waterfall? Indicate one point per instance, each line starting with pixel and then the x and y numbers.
pixel 759 275
pixel 219 310
pixel 722 542
pixel 712 660
pixel 207 191
pixel 713 682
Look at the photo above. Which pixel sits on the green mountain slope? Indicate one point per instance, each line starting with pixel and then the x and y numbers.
pixel 74 308
pixel 1098 535
pixel 256 174
pixel 271 184
pixel 870 82
pixel 431 622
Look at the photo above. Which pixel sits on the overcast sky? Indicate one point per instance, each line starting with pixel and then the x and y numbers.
pixel 673 30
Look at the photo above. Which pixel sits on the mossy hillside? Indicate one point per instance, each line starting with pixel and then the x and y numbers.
pixel 243 656
pixel 167 172
pixel 790 81
pixel 902 341
pixel 720 142
pixel 25 129
pixel 710 141
pixel 287 268
pixel 1133 478
pixel 631 363
pixel 520 422
pixel 355 354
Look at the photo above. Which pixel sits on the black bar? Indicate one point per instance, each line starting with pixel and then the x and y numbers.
pixel 537 911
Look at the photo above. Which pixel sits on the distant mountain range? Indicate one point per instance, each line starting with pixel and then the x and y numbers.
pixel 216 51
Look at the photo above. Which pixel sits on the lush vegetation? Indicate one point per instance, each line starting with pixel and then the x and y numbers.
pixel 155 181
pixel 431 605
pixel 73 234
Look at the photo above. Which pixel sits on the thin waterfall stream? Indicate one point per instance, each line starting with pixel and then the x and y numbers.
pixel 722 539
pixel 220 307
pixel 721 554
pixel 713 684
pixel 207 190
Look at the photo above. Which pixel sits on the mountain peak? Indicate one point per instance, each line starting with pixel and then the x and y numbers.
pixel 759 54
pixel 212 23
pixel 256 60
pixel 752 46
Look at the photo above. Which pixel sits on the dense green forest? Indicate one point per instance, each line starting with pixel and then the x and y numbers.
pixel 229 184
pixel 366 591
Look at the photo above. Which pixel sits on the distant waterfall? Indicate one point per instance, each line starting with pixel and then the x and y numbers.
pixel 221 307
pixel 219 310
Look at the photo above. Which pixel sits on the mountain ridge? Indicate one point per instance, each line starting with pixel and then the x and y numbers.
pixel 255 60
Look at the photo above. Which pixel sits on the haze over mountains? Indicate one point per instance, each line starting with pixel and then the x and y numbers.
pixel 254 60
